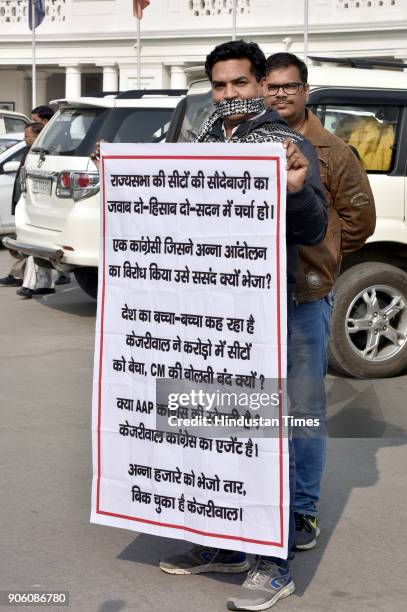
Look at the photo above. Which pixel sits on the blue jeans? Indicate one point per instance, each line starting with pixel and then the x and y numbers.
pixel 309 327
pixel 307 364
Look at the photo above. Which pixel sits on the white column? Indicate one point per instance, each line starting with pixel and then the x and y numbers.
pixel 110 78
pixel 42 87
pixel 26 103
pixel 73 82
pixel 178 77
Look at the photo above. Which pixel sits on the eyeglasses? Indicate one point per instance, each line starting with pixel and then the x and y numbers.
pixel 288 88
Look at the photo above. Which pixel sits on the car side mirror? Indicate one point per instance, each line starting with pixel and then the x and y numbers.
pixel 11 166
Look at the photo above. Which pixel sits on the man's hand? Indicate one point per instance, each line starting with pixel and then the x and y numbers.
pixel 297 166
pixel 95 156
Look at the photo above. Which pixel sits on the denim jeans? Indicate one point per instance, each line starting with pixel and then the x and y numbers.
pixel 309 327
pixel 307 363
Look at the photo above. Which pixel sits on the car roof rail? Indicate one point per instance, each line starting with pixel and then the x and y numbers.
pixel 359 62
pixel 135 93
pixel 139 93
pixel 100 94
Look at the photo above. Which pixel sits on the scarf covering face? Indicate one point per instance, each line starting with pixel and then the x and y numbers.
pixel 251 106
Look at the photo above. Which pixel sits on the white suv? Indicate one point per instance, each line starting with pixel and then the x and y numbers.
pixel 368 109
pixel 57 218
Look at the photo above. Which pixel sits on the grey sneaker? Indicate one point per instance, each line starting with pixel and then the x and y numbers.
pixel 306 531
pixel 200 559
pixel 265 584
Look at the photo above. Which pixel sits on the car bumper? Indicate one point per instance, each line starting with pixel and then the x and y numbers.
pixel 54 256
pixel 78 241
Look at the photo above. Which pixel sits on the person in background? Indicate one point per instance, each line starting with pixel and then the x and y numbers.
pixel 34 277
pixel 43 114
pixel 16 274
pixel 351 220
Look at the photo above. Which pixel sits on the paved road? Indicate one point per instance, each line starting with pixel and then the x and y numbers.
pixel 48 543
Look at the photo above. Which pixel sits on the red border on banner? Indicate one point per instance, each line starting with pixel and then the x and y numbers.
pixel 281 487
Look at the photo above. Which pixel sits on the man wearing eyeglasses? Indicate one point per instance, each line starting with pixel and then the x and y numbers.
pixel 351 220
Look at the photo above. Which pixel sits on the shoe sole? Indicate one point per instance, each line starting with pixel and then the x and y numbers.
pixel 310 544
pixel 207 568
pixel 286 592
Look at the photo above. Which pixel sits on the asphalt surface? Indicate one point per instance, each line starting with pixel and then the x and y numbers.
pixel 47 542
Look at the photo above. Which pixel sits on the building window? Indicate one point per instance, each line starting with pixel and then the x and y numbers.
pixel 208 8
pixel 356 4
pixel 16 11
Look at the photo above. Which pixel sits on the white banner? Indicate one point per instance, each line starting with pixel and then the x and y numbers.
pixel 192 289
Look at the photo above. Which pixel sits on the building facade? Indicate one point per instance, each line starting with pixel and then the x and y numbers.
pixel 84 46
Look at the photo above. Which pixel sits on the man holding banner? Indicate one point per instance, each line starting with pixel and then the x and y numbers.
pixel 237 70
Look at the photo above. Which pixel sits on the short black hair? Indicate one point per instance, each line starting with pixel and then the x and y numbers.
pixel 43 112
pixel 237 49
pixel 285 60
pixel 35 126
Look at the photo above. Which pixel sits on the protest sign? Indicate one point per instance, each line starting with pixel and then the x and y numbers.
pixel 192 289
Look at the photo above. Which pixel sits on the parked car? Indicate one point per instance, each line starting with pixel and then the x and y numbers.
pixel 57 218
pixel 12 122
pixel 11 150
pixel 368 109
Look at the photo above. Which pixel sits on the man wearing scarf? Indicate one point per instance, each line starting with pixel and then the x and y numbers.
pixel 236 71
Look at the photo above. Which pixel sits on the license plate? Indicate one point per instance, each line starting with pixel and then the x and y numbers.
pixel 41 185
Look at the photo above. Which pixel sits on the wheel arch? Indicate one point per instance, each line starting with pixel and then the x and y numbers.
pixel 389 252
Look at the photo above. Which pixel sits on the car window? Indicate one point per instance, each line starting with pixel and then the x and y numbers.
pixel 17 155
pixel 75 131
pixel 14 124
pixel 137 124
pixel 72 132
pixel 6 144
pixel 369 130
pixel 13 157
pixel 198 107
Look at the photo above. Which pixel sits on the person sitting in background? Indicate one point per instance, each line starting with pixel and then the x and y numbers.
pixel 371 138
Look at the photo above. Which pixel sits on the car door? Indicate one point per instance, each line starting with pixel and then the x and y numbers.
pixel 6 185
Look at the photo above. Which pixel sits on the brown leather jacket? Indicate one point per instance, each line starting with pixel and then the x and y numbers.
pixel 351 212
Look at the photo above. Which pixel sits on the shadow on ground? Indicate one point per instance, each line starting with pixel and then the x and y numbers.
pixel 355 415
pixel 114 605
pixel 71 300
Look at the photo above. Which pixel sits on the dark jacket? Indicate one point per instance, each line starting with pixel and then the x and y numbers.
pixel 306 217
pixel 351 212
pixel 17 183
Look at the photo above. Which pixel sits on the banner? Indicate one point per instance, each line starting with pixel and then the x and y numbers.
pixel 190 332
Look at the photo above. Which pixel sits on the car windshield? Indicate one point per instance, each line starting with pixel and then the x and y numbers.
pixel 137 125
pixel 74 131
pixel 197 108
pixel 6 144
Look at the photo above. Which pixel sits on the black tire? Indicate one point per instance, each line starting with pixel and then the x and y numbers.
pixel 345 350
pixel 87 279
